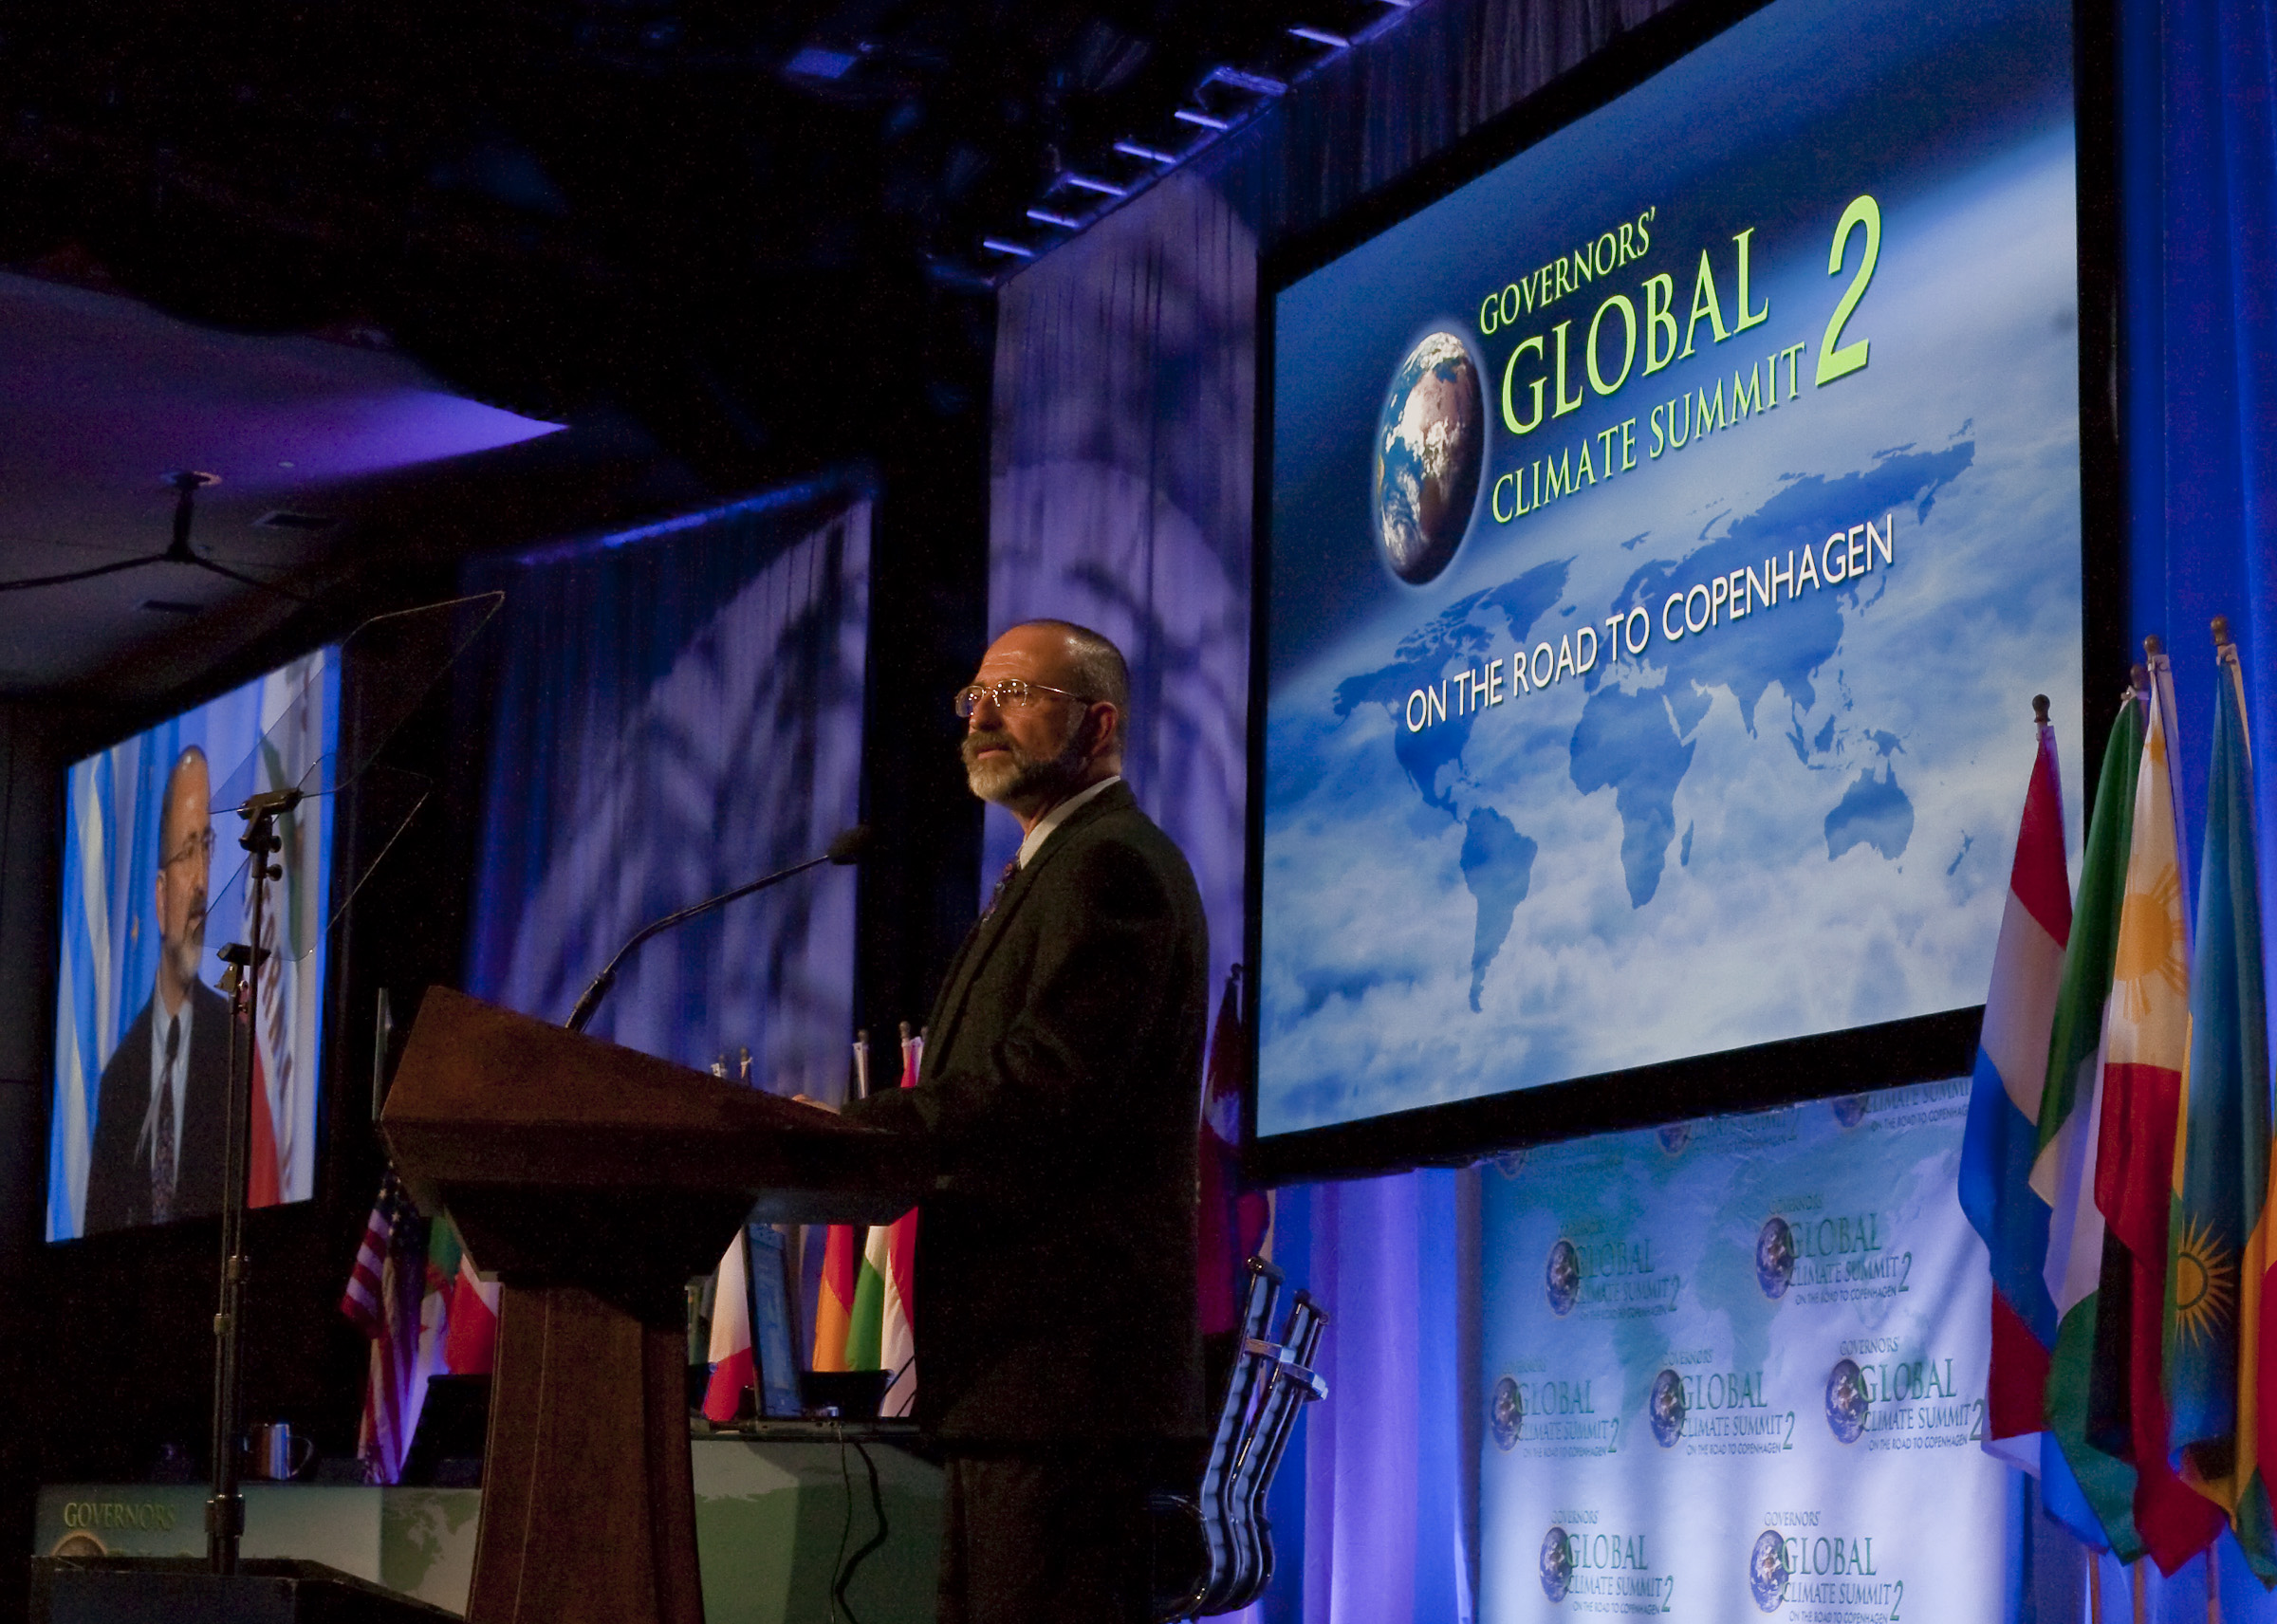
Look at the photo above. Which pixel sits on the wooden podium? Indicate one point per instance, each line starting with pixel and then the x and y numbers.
pixel 594 1181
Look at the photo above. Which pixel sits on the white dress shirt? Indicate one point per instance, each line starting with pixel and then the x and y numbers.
pixel 1060 814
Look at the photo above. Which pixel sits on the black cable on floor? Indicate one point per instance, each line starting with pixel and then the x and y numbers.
pixel 845 1528
pixel 845 1578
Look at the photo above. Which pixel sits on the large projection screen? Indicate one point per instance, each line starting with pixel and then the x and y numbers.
pixel 1665 526
pixel 153 886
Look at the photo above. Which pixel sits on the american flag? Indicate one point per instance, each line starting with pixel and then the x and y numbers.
pixel 382 1302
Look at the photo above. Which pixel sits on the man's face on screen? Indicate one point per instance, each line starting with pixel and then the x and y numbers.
pixel 186 862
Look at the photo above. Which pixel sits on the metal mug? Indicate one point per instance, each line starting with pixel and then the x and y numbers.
pixel 269 1452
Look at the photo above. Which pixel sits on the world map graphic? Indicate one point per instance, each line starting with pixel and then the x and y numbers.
pixel 1636 735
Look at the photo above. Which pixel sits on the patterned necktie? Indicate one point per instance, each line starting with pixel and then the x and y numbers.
pixel 161 1150
pixel 1004 882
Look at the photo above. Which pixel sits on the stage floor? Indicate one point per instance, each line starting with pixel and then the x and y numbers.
pixel 770 1515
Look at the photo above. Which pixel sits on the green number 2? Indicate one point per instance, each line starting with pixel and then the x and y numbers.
pixel 1840 363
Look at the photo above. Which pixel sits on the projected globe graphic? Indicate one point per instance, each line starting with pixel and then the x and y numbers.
pixel 1665 1409
pixel 1431 445
pixel 1846 1401
pixel 1508 1415
pixel 1557 1565
pixel 1767 1570
pixel 1774 1256
pixel 1562 1277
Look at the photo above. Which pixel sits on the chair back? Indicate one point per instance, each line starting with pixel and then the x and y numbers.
pixel 1225 1523
pixel 1237 1413
pixel 1294 1384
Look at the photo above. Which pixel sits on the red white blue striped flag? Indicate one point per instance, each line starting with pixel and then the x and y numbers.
pixel 2004 1115
pixel 382 1300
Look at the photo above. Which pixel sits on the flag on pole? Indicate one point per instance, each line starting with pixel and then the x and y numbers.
pixel 732 1369
pixel 834 1305
pixel 2220 1245
pixel 470 1345
pixel 382 1300
pixel 2090 1493
pixel 260 1184
pixel 896 1335
pixel 878 1302
pixel 1232 1220
pixel 2004 1112
pixel 2146 1044
pixel 841 1260
pixel 438 1286
pixel 865 1325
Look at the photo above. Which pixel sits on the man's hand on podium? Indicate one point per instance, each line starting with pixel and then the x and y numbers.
pixel 803 1100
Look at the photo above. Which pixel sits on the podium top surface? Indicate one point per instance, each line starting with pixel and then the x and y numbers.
pixel 487 1098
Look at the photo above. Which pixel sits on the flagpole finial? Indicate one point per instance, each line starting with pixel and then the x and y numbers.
pixel 2221 631
pixel 2140 674
pixel 2040 709
pixel 2154 645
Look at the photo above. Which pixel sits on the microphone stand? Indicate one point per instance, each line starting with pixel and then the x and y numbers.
pixel 225 1510
pixel 847 849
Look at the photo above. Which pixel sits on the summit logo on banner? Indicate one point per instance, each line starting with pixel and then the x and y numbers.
pixel 1811 1383
pixel 1608 1277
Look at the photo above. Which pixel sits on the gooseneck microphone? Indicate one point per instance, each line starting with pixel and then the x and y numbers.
pixel 847 849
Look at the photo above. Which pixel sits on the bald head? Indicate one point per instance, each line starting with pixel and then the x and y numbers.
pixel 185 870
pixel 1094 665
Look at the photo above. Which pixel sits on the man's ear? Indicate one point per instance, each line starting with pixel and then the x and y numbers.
pixel 1110 728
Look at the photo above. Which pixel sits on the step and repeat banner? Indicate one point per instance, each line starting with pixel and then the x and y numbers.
pixel 1735 1368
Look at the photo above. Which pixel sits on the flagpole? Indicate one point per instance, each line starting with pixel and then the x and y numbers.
pixel 2136 1569
pixel 2163 680
pixel 2225 654
pixel 2095 1586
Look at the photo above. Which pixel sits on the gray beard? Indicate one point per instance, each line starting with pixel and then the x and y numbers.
pixel 188 953
pixel 1024 775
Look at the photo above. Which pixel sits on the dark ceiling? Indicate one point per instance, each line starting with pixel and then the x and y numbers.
pixel 724 244
pixel 757 231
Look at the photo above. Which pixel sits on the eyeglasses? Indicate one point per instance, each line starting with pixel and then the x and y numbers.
pixel 1008 694
pixel 193 848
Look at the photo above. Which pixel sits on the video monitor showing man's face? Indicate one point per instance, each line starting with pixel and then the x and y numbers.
pixel 153 889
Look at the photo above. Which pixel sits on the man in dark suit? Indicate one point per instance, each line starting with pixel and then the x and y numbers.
pixel 1060 1364
pixel 159 1127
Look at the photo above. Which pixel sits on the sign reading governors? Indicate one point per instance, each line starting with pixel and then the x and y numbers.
pixel 1664 527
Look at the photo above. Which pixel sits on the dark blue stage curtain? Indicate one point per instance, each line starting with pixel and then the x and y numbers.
pixel 679 709
pixel 1121 483
pixel 2199 383
pixel 2198 398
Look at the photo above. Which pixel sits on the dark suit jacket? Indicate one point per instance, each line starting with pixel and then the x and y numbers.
pixel 1061 1093
pixel 118 1176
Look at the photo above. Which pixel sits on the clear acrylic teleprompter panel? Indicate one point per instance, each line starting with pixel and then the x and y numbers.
pixel 325 742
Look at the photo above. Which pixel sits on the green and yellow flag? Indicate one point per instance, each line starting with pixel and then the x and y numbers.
pixel 2220 1245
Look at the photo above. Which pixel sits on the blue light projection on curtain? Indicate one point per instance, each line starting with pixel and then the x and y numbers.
pixel 2198 221
pixel 679 709
pixel 2198 391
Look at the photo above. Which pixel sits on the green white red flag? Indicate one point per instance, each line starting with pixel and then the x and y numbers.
pixel 2146 1047
pixel 2063 1171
